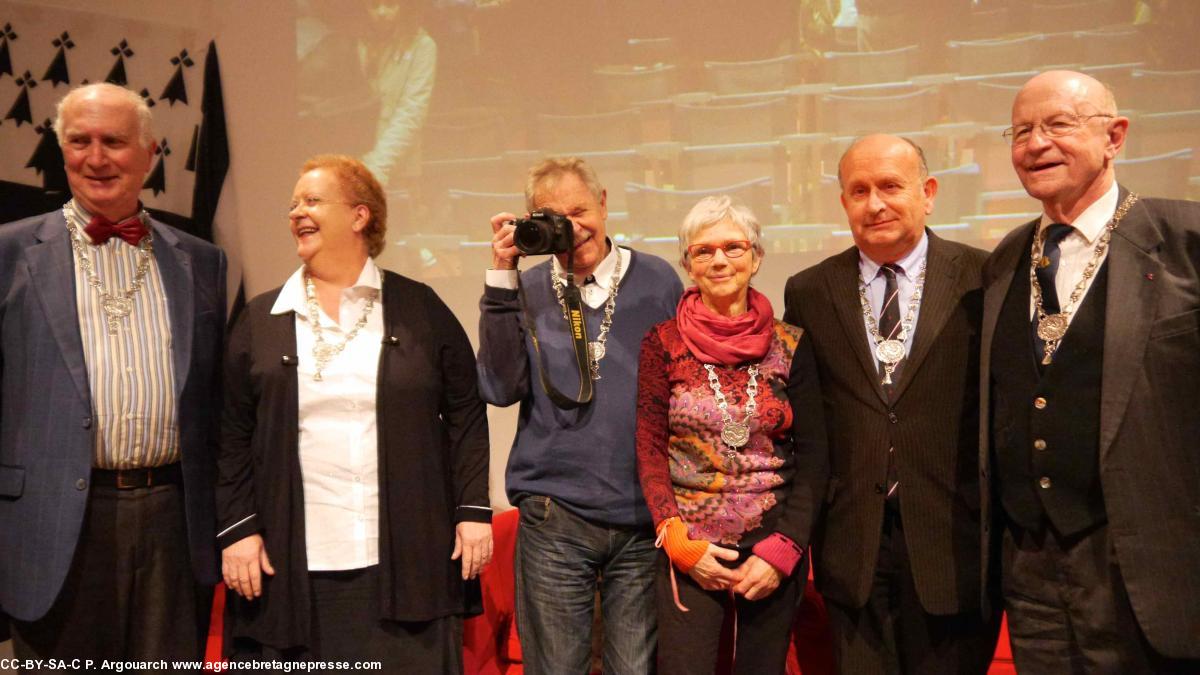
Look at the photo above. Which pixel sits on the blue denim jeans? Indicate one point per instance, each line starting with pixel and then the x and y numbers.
pixel 561 561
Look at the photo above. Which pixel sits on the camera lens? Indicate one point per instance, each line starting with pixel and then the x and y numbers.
pixel 531 236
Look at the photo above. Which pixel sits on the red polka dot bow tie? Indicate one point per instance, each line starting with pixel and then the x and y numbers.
pixel 100 229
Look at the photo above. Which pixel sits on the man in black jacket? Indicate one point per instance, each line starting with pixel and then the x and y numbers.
pixel 894 321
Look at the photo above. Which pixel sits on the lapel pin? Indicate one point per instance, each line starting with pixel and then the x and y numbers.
pixel 1149 276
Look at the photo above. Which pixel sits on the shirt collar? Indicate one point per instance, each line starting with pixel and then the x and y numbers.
pixel 1094 219
pixel 908 265
pixel 292 297
pixel 602 276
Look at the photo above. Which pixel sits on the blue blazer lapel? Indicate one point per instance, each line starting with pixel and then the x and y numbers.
pixel 175 268
pixel 1132 301
pixel 52 268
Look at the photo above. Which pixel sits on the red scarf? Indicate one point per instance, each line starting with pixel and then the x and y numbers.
pixel 713 338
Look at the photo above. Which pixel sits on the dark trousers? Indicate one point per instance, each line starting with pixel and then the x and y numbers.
pixel 346 628
pixel 562 560
pixel 689 643
pixel 894 634
pixel 130 594
pixel 1068 611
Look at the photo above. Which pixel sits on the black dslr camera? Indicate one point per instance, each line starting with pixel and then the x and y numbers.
pixel 544 231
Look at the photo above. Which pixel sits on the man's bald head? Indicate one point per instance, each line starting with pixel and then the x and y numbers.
pixel 1084 89
pixel 874 142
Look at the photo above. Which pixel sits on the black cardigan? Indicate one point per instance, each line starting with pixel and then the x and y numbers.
pixel 433 459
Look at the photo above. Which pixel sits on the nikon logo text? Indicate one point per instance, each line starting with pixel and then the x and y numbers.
pixel 577 324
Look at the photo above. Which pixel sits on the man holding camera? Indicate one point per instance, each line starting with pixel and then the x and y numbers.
pixel 573 468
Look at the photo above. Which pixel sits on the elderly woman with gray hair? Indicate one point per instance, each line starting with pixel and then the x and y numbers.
pixel 729 411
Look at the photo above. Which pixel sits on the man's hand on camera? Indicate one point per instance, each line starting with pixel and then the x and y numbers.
pixel 504 252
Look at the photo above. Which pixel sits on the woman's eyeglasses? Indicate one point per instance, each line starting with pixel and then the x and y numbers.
pixel 312 201
pixel 703 253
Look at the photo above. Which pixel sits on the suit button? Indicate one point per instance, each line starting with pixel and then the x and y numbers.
pixel 1039 403
pixel 879 488
pixel 892 417
pixel 1045 482
pixel 1039 444
pixel 81 484
pixel 87 423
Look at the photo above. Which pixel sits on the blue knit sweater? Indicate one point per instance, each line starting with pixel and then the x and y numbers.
pixel 586 458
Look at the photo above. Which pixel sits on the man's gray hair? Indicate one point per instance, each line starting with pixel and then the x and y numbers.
pixel 547 172
pixel 135 100
pixel 714 209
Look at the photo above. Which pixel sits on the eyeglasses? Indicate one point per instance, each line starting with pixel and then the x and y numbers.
pixel 312 201
pixel 1060 125
pixel 703 253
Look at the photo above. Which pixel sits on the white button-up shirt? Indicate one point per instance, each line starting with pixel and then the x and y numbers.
pixel 594 289
pixel 338 438
pixel 1076 249
pixel 906 285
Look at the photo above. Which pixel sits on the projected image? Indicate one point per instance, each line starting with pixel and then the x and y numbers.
pixel 673 100
pixel 365 79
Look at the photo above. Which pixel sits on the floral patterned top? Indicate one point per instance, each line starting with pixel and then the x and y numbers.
pixel 724 495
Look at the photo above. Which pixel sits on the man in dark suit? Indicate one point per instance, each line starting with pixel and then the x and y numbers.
pixel 894 322
pixel 110 336
pixel 1091 355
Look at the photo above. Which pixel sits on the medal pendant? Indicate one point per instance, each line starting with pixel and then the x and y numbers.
pixel 116 307
pixel 890 351
pixel 1052 327
pixel 735 434
pixel 596 350
pixel 887 374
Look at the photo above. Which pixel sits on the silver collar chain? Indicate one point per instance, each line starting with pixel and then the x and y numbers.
pixel 891 350
pixel 1052 327
pixel 596 349
pixel 324 352
pixel 735 434
pixel 119 305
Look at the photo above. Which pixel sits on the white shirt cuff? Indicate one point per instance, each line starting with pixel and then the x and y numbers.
pixel 506 279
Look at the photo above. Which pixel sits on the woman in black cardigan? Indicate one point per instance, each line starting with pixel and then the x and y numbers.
pixel 352 491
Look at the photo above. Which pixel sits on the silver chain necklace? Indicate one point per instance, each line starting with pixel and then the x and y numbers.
pixel 596 349
pixel 890 351
pixel 734 434
pixel 1052 327
pixel 323 352
pixel 117 305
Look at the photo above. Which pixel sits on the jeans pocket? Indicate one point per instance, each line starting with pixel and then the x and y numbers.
pixel 535 511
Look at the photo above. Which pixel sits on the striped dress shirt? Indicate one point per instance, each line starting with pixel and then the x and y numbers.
pixel 131 374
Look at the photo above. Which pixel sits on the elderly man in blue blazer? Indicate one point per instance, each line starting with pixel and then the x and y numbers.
pixel 111 327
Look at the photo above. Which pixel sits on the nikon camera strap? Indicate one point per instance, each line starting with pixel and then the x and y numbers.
pixel 573 302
